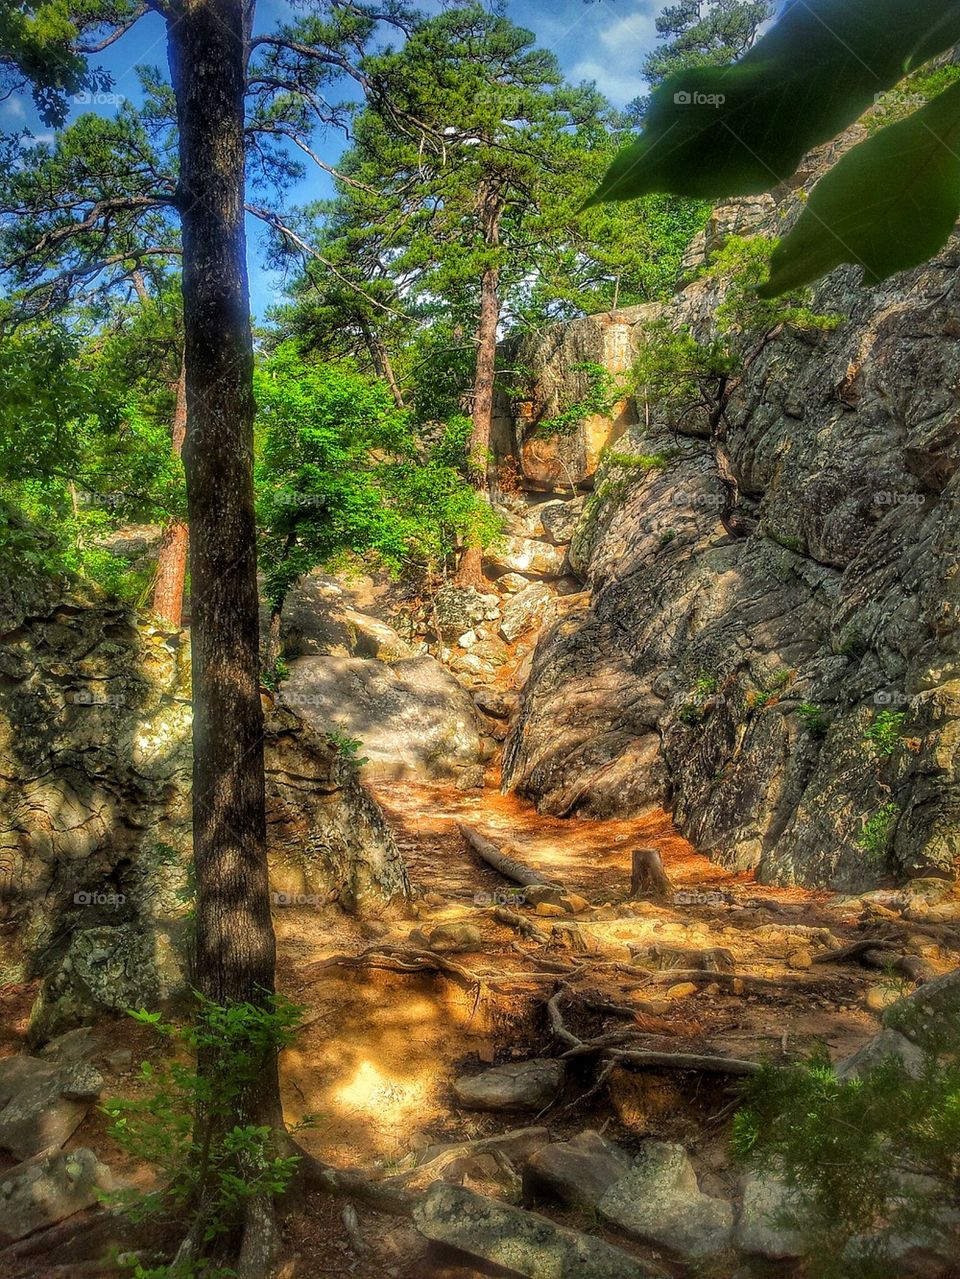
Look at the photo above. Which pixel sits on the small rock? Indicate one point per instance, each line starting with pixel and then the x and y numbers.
pixel 81 1082
pixel 888 1043
pixel 37 1115
pixel 549 909
pixel 73 1045
pixel 800 959
pixel 522 1085
pixel 660 1201
pixel 578 1171
pixel 577 904
pixel 467 639
pixel 511 583
pixel 881 997
pixel 681 990
pixel 434 899
pixel 120 1059
pixel 451 938
pixel 528 608
pixel 471 778
pixel 522 1242
pixel 521 555
pixel 48 1187
pixel 495 702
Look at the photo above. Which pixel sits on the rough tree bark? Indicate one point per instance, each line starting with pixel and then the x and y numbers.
pixel 172 561
pixel 470 571
pixel 235 947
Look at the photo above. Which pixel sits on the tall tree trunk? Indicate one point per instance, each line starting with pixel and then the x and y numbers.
pixel 172 561
pixel 470 571
pixel 382 364
pixel 235 947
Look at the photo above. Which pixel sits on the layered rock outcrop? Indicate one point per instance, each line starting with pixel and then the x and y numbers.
pixel 95 766
pixel 771 642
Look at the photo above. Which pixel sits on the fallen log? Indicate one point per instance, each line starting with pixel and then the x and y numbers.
pixel 508 866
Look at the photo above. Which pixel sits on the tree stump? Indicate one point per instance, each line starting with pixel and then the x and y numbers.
pixel 647 876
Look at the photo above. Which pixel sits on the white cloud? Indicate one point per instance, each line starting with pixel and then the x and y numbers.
pixel 12 109
pixel 617 42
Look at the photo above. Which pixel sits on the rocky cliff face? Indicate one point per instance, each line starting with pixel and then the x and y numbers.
pixel 94 807
pixel 745 670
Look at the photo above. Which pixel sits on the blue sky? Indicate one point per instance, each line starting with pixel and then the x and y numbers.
pixel 603 41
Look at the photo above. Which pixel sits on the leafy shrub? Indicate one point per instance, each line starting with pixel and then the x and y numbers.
pixel 869 1161
pixel 876 833
pixel 886 731
pixel 240 1161
pixel 814 718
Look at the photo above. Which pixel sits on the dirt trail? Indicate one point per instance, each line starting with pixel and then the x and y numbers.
pixel 379 1050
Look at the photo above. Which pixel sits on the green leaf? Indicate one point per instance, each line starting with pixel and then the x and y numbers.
pixel 741 129
pixel 887 205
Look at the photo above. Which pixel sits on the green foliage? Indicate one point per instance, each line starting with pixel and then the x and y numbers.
pixel 275 676
pixel 79 456
pixel 885 733
pixel 602 393
pixel 875 835
pixel 703 35
pixel 694 708
pixel 340 475
pixel 888 204
pixel 638 461
pixel 347 747
pixel 814 718
pixel 871 1157
pixel 239 1161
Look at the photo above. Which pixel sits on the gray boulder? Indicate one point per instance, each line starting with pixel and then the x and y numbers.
pixel 530 607
pixel 49 1187
pixel 758 1229
pixel 661 1201
pixel 560 519
pixel 578 1171
pixel 44 1103
pixel 412 717
pixel 523 555
pixel 522 1242
pixel 522 1085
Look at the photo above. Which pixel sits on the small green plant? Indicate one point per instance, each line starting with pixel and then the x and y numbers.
pixel 695 706
pixel 215 1170
pixel 885 733
pixel 347 747
pixel 814 718
pixel 601 394
pixel 876 831
pixel 867 1160
pixel 274 676
pixel 638 461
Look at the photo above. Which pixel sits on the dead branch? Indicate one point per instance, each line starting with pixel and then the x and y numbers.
pixel 508 866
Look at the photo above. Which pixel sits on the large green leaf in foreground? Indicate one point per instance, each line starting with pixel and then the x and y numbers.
pixel 888 204
pixel 739 130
